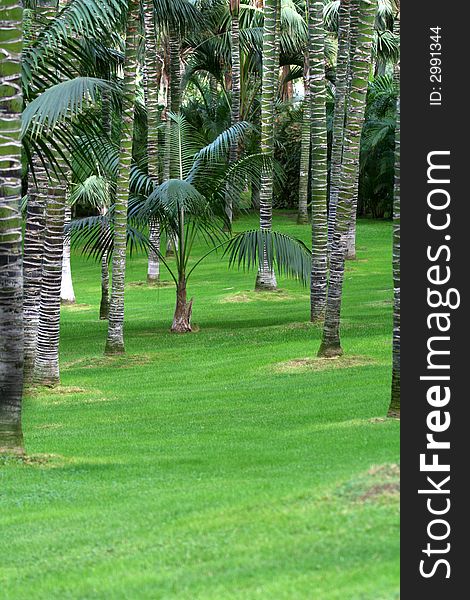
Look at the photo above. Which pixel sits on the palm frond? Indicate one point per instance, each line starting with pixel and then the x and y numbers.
pixel 291 256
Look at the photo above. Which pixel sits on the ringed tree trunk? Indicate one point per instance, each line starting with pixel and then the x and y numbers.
pixel 115 339
pixel 341 87
pixel 35 218
pixel 67 294
pixel 183 310
pixel 11 268
pixel 394 408
pixel 32 261
pixel 175 105
pixel 104 303
pixel 46 366
pixel 351 234
pixel 305 141
pixel 318 285
pixel 236 95
pixel 153 78
pixel 331 344
pixel 266 279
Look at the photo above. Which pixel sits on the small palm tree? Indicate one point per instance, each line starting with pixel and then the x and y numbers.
pixel 193 205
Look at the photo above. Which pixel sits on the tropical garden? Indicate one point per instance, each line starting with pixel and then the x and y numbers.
pixel 199 298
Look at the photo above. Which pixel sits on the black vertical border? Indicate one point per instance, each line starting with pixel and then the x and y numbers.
pixel 425 129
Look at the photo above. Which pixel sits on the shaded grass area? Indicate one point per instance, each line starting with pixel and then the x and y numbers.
pixel 194 467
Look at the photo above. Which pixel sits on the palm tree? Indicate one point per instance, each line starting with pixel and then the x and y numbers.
pixel 266 279
pixel 32 261
pixel 394 408
pixel 11 275
pixel 236 92
pixel 319 160
pixel 305 143
pixel 153 74
pixel 38 185
pixel 341 86
pixel 46 366
pixel 360 68
pixel 192 205
pixel 115 338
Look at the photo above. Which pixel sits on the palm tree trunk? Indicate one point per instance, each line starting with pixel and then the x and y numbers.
pixel 46 366
pixel 394 408
pixel 175 72
pixel 341 87
pixel 67 294
pixel 235 107
pixel 105 229
pixel 360 65
pixel 305 142
pixel 104 304
pixel 11 268
pixel 115 339
pixel 153 77
pixel 32 261
pixel 175 105
pixel 266 279
pixel 38 186
pixel 319 151
pixel 183 310
pixel 351 234
pixel 153 267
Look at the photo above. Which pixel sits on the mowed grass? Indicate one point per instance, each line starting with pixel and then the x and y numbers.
pixel 217 465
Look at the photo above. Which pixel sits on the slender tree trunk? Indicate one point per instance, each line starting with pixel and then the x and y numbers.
pixel 266 279
pixel 341 87
pixel 104 304
pixel 175 72
pixel 153 268
pixel 287 89
pixel 305 142
pixel 319 161
pixel 351 234
pixel 46 367
pixel 67 294
pixel 153 77
pixel 115 339
pixel 11 268
pixel 32 261
pixel 235 108
pixel 183 310
pixel 38 187
pixel 394 408
pixel 331 344
pixel 175 105
pixel 105 228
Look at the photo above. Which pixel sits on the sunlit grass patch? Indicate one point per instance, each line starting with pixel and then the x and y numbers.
pixel 322 364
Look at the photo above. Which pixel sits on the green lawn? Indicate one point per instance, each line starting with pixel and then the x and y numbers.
pixel 214 465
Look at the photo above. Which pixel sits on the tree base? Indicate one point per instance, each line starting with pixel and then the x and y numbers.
pixel 302 220
pixel 393 414
pixel 11 440
pixel 113 349
pixel 265 281
pixel 182 319
pixel 330 351
pixel 153 281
